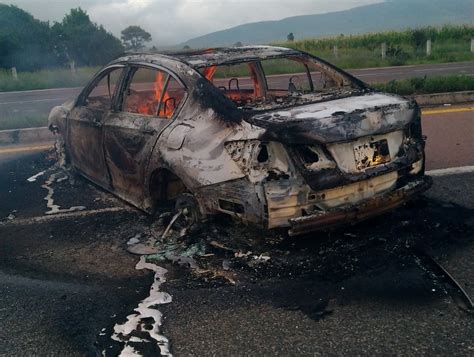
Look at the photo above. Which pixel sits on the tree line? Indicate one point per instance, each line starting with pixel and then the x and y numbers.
pixel 30 44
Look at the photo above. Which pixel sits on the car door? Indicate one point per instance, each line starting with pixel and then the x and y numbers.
pixel 85 126
pixel 149 101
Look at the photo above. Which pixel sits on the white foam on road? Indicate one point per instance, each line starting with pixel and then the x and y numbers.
pixel 60 216
pixel 54 208
pixel 146 309
pixel 451 171
pixel 34 177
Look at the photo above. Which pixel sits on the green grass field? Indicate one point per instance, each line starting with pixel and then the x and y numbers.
pixel 45 79
pixel 428 85
pixel 449 44
pixel 20 123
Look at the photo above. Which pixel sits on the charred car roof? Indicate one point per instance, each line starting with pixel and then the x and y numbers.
pixel 220 56
pixel 214 56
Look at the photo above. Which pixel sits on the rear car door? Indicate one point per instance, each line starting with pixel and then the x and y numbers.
pixel 85 125
pixel 147 104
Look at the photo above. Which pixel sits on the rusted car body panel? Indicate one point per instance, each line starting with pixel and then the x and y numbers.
pixel 300 160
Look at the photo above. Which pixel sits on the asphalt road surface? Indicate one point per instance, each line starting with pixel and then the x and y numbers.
pixel 66 279
pixel 38 103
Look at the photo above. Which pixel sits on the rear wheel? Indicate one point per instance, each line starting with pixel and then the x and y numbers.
pixel 187 204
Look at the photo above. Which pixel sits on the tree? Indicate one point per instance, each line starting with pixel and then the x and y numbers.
pixel 134 37
pixel 29 44
pixel 238 44
pixel 84 42
pixel 24 41
pixel 186 48
pixel 290 37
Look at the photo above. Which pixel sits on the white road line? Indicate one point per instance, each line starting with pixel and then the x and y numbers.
pixel 55 217
pixel 451 171
pixel 40 90
pixel 36 100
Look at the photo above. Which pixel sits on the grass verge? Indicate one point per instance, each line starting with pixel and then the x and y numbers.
pixel 21 123
pixel 45 79
pixel 450 43
pixel 428 85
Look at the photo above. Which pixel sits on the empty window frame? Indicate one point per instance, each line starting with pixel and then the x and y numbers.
pixel 152 92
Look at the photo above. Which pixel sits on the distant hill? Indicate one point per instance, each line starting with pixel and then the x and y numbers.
pixel 389 15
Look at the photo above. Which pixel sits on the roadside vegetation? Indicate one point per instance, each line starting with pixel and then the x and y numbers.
pixel 37 55
pixel 46 78
pixel 20 123
pixel 413 86
pixel 449 44
pixel 428 85
pixel 29 44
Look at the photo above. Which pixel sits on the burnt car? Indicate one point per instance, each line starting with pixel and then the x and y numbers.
pixel 271 136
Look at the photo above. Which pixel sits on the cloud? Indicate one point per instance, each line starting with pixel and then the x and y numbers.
pixel 174 21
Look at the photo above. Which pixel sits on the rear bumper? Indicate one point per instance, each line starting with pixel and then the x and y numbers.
pixel 368 208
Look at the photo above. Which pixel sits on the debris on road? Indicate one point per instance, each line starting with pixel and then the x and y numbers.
pixel 261 258
pixel 134 240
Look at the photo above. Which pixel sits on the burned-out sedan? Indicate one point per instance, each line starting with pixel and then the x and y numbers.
pixel 269 135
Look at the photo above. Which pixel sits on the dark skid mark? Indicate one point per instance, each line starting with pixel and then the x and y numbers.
pixel 458 294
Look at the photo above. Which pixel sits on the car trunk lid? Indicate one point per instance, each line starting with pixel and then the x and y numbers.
pixel 337 120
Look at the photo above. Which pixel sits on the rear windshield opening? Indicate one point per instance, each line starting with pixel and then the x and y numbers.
pixel 260 83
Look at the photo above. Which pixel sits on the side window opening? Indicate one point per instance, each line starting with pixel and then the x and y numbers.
pixel 281 81
pixel 237 82
pixel 100 97
pixel 152 92
pixel 323 81
pixel 172 97
pixel 286 76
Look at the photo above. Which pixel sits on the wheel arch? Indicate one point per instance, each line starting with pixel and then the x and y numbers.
pixel 164 186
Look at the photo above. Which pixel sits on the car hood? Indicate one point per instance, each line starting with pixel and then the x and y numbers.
pixel 337 120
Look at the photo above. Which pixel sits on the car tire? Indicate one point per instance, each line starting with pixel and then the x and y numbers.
pixel 189 206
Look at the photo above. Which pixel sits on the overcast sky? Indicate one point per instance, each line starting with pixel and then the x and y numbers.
pixel 174 21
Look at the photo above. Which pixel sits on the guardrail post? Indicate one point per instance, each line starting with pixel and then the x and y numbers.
pixel 336 52
pixel 384 50
pixel 472 44
pixel 14 73
pixel 72 64
pixel 428 48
